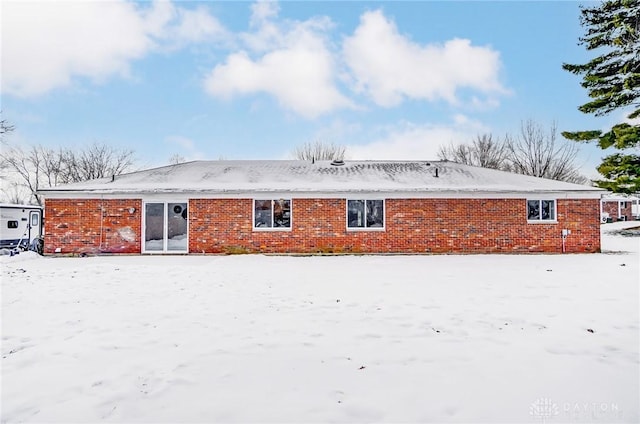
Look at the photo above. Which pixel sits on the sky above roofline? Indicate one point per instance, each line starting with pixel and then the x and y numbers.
pixel 241 80
pixel 295 178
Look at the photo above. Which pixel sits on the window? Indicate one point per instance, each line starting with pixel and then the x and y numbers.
pixel 12 224
pixel 154 227
pixel 541 210
pixel 623 205
pixel 272 214
pixel 365 214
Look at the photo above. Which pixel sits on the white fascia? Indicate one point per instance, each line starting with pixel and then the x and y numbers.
pixel 369 194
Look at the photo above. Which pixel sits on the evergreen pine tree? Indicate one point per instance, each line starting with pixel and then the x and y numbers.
pixel 612 80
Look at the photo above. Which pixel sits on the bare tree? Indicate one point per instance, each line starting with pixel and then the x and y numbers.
pixel 537 152
pixel 41 167
pixel 533 151
pixel 319 150
pixel 52 166
pixel 5 127
pixel 26 165
pixel 16 194
pixel 484 151
pixel 96 161
pixel 176 158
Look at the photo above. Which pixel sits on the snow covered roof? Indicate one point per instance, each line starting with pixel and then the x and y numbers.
pixel 614 197
pixel 227 177
pixel 18 206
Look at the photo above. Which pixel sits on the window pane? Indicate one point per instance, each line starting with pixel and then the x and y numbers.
pixel 12 224
pixel 355 213
pixel 548 209
pixel 154 227
pixel 282 213
pixel 262 212
pixel 177 227
pixel 35 219
pixel 533 209
pixel 375 213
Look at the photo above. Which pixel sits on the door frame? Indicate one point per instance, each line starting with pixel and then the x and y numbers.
pixel 165 227
pixel 32 213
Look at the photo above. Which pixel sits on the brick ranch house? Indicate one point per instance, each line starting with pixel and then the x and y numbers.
pixel 618 207
pixel 321 207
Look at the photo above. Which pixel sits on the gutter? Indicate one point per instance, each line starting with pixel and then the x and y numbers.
pixel 326 193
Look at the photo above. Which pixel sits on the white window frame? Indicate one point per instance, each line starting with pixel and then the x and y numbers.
pixel 365 228
pixel 165 228
pixel 272 228
pixel 540 220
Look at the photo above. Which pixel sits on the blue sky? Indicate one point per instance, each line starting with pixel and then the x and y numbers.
pixel 242 80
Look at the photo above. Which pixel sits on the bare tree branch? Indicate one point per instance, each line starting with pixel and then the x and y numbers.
pixel 40 167
pixel 96 161
pixel 319 150
pixel 532 152
pixel 16 194
pixel 177 158
pixel 484 151
pixel 26 166
pixel 538 153
pixel 5 127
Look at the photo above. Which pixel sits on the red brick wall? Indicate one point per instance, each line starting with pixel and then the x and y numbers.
pixel 611 208
pixel 319 225
pixel 412 225
pixel 92 226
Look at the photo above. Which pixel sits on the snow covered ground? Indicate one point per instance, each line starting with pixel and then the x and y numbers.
pixel 479 338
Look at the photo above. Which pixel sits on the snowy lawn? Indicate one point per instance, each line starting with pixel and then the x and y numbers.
pixel 480 338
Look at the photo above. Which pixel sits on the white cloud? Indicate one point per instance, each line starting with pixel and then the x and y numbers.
pixel 293 64
pixel 262 11
pixel 336 130
pixel 183 142
pixel 46 45
pixel 410 141
pixel 194 26
pixel 389 67
pixel 187 147
pixel 488 103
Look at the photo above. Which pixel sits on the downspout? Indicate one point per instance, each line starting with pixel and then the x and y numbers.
pixel 601 208
pixel 101 221
pixel 619 210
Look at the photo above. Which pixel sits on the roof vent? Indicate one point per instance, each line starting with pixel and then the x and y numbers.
pixel 337 162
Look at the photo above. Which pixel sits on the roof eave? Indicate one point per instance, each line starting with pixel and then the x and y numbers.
pixel 591 192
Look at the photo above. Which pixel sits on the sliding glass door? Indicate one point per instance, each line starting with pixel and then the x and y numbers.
pixel 166 227
pixel 177 227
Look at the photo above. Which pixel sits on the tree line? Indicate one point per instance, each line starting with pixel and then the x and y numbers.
pixel 39 167
pixel 533 151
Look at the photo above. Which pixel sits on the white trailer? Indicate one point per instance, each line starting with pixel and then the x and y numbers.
pixel 20 226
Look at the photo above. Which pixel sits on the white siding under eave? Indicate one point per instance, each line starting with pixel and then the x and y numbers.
pixel 232 194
